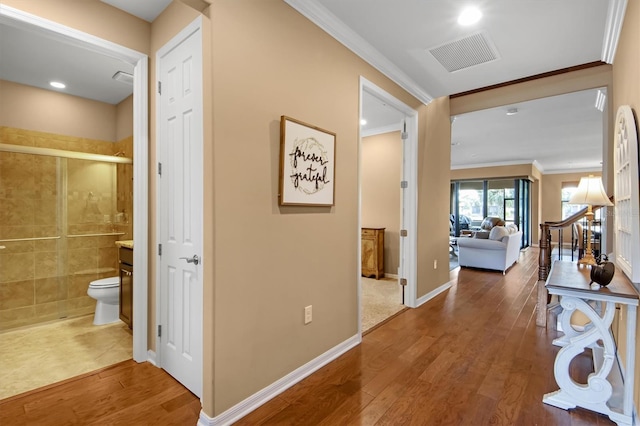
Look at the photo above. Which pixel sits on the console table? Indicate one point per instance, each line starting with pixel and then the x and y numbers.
pixel 605 392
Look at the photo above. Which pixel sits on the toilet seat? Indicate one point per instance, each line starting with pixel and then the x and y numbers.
pixel 105 283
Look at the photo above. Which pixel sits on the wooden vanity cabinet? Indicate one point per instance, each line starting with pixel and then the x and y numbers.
pixel 125 257
pixel 372 252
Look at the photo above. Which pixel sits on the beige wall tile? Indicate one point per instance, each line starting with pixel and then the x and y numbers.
pixel 16 294
pixel 81 260
pixel 12 318
pixel 79 284
pixel 46 264
pixel 16 267
pixel 17 212
pixel 50 289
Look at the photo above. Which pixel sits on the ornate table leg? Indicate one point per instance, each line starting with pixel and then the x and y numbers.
pixel 595 394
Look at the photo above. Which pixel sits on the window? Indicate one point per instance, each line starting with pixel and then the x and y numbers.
pixel 569 209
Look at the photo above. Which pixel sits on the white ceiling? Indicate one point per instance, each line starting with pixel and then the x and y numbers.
pixel 529 36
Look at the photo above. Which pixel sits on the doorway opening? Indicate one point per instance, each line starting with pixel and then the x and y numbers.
pixel 387 211
pixel 64 277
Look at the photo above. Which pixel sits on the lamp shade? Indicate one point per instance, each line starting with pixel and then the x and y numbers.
pixel 590 191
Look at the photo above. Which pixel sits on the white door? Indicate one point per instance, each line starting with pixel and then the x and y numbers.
pixel 180 205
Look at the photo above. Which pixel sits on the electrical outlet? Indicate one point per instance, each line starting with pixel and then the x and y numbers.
pixel 435 264
pixel 308 314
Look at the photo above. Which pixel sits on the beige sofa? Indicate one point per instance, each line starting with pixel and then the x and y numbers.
pixel 498 251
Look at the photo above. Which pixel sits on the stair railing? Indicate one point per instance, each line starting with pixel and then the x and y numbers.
pixel 544 261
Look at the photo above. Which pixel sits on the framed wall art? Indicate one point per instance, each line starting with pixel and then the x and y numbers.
pixel 307 164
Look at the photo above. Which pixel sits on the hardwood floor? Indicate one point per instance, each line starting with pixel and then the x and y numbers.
pixel 124 394
pixel 471 356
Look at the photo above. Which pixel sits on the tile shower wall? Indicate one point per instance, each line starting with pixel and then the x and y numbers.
pixel 47 279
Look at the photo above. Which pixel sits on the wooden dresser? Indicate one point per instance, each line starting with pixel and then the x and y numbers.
pixel 372 252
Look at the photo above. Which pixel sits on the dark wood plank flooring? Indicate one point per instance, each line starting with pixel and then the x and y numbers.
pixel 470 356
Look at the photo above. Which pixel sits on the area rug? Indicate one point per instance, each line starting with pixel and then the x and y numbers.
pixel 380 299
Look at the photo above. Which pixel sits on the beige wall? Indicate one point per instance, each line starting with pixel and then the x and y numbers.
pixel 263 60
pixel 124 119
pixel 626 84
pixel 270 61
pixel 380 175
pixel 434 152
pixel 93 17
pixel 26 107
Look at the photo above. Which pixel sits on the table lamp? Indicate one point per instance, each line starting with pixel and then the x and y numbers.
pixel 590 192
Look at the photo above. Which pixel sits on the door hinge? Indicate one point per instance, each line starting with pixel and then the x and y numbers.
pixel 160 88
pixel 160 169
pixel 404 136
pixel 159 331
pixel 404 184
pixel 159 249
pixel 403 281
pixel 403 233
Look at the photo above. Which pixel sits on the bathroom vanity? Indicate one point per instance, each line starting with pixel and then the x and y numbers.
pixel 125 264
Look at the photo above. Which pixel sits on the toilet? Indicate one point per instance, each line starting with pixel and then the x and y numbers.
pixel 107 294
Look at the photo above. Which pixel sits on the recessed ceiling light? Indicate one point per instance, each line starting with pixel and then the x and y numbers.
pixel 363 122
pixel 57 84
pixel 512 111
pixel 469 16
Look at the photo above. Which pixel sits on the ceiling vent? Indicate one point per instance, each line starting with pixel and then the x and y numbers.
pixel 123 77
pixel 466 52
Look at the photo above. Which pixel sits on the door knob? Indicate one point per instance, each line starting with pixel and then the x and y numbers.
pixel 195 259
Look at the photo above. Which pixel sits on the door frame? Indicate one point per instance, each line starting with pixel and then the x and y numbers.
pixel 186 32
pixel 408 263
pixel 139 61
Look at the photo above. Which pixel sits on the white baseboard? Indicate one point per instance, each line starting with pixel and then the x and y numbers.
pixel 243 408
pixel 151 357
pixel 424 299
pixel 388 275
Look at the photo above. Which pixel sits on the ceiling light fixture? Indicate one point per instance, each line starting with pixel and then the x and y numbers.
pixel 469 16
pixel 57 84
pixel 512 111
pixel 363 122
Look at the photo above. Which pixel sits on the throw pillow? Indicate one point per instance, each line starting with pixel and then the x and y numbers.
pixel 512 228
pixel 497 232
pixel 481 234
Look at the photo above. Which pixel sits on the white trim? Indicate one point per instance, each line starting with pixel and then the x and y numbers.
pixel 381 130
pixel 139 60
pixel 615 18
pixel 333 26
pixel 243 408
pixel 525 163
pixel 433 293
pixel 582 170
pixel 151 357
pixel 387 275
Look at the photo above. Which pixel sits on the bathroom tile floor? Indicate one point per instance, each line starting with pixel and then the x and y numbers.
pixel 39 355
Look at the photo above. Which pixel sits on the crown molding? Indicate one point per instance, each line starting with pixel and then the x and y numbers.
pixel 615 18
pixel 535 163
pixel 497 164
pixel 564 171
pixel 333 26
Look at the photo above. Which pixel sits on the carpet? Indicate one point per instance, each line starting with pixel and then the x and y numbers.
pixel 380 299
